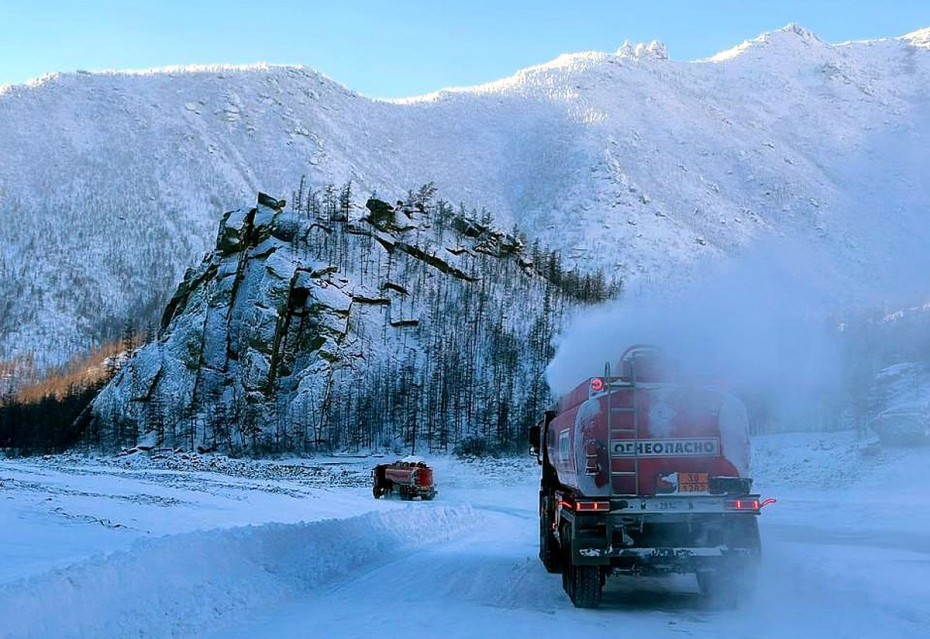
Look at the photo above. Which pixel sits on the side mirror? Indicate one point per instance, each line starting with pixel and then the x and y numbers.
pixel 534 441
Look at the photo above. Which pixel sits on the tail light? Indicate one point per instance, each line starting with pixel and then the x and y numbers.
pixel 743 504
pixel 753 505
pixel 592 506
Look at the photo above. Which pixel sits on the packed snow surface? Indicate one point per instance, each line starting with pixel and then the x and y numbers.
pixel 205 546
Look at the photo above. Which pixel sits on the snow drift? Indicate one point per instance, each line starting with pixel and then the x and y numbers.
pixel 181 585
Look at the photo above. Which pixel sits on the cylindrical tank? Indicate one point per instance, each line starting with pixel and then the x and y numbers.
pixel 614 436
pixel 412 475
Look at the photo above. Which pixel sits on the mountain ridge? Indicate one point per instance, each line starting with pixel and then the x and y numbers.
pixel 649 167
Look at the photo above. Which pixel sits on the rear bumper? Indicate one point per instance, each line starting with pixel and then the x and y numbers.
pixel 663 560
pixel 675 504
pixel 681 534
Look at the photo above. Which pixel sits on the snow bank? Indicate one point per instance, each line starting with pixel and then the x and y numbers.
pixel 182 584
pixel 830 461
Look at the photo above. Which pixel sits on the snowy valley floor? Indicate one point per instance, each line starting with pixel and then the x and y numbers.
pixel 189 546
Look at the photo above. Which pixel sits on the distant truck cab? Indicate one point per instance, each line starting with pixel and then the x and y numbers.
pixel 642 473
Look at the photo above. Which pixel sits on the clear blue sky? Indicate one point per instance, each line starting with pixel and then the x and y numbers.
pixel 396 48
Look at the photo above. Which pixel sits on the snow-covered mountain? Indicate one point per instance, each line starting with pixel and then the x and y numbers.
pixel 111 183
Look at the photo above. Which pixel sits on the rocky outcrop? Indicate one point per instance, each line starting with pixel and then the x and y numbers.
pixel 251 321
pixel 488 239
pixel 293 327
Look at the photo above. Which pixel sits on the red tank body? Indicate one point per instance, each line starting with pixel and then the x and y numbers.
pixel 409 475
pixel 635 434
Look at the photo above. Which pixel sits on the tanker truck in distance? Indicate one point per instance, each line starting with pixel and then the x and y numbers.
pixel 645 475
pixel 410 478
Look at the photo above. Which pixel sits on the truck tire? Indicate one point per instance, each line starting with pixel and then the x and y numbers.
pixel 586 586
pixel 747 536
pixel 731 581
pixel 549 552
pixel 717 590
pixel 565 555
pixel 582 584
pixel 712 584
pixel 729 585
pixel 377 491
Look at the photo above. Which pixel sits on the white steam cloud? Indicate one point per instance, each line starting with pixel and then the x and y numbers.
pixel 758 324
pixel 768 323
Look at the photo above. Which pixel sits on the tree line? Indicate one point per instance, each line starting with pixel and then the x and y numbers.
pixel 48 411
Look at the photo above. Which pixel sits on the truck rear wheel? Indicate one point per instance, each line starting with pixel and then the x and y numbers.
pixel 729 585
pixel 549 552
pixel 582 584
pixel 585 586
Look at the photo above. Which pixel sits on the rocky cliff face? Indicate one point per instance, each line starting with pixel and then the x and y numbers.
pixel 299 333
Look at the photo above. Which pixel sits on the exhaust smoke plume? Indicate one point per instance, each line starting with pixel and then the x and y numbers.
pixel 770 324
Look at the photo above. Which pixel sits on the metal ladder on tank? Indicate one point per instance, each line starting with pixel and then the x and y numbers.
pixel 632 432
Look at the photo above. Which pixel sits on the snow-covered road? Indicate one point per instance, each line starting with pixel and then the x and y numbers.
pixel 846 557
pixel 833 577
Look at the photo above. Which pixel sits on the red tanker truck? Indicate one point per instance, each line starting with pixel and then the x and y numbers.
pixel 643 474
pixel 407 478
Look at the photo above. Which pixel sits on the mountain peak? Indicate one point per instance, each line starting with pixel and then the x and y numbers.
pixel 920 38
pixel 655 50
pixel 795 29
pixel 790 37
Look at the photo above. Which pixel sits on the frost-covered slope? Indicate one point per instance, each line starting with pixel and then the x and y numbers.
pixel 110 183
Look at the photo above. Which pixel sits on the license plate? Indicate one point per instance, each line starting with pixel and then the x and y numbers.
pixel 670 504
pixel 692 482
